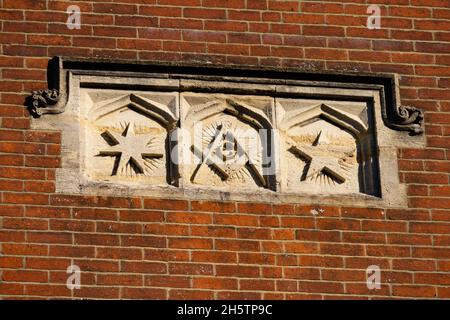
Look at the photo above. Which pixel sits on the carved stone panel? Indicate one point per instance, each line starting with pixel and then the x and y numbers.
pixel 227 140
pixel 327 147
pixel 127 136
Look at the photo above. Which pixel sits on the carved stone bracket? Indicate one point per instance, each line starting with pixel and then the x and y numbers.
pixel 409 119
pixel 46 101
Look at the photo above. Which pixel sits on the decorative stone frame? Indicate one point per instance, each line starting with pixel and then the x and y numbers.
pixel 387 124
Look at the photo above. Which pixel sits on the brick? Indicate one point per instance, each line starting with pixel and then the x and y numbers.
pixel 11 211
pixel 164 204
pixel 98 292
pixel 300 222
pixel 215 283
pixel 191 218
pixel 191 269
pixel 388 226
pixel 302 273
pixel 240 220
pixel 414 264
pixel 399 214
pixel 434 253
pixel 143 267
pixel 320 287
pixel 168 281
pixel 369 213
pixel 301 247
pixel 260 285
pixel 318 235
pixel 214 256
pixel 24 276
pixel 96 239
pixel 39 186
pixel 190 295
pixel 408 239
pixel 166 229
pixel 388 251
pixel 338 224
pixel 190 243
pixel 253 233
pixel 237 245
pixel 71 251
pixel 341 249
pixel 237 271
pixel 216 231
pixel 118 253
pixel 209 206
pixel 49 237
pixel 95 201
pixel 26 198
pixel 11 185
pixel 142 241
pixel 47 263
pixel 25 224
pixel 72 225
pixel 438 203
pixel 47 212
pixel 97 265
pixel 427 227
pixel 414 291
pixel 442 279
pixel 165 254
pixel 11 262
pixel 141 215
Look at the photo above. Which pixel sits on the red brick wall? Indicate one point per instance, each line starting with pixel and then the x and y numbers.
pixel 147 248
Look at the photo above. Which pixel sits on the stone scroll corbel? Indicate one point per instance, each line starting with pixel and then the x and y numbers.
pixel 46 101
pixel 400 117
pixel 54 99
pixel 409 119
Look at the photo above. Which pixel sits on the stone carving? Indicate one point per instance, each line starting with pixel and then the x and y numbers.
pixel 327 161
pixel 322 143
pixel 226 140
pixel 133 151
pixel 408 119
pixel 228 136
pixel 225 154
pixel 45 101
pixel 128 137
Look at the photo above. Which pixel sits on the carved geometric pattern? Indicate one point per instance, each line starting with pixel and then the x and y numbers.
pixel 326 162
pixel 127 137
pixel 226 141
pixel 323 144
pixel 226 155
pixel 133 151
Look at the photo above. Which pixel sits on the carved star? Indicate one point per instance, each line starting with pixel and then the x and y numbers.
pixel 130 148
pixel 322 158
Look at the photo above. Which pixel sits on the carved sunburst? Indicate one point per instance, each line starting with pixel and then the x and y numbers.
pixel 225 154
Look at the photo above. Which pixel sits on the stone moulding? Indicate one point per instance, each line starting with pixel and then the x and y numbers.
pixel 332 138
pixel 395 116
